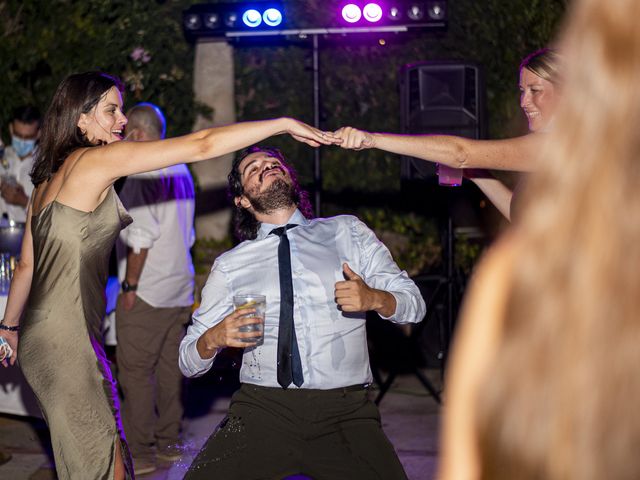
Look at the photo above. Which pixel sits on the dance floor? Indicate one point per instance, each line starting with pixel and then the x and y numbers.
pixel 410 418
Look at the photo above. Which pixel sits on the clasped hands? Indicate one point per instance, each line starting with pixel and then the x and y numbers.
pixel 346 137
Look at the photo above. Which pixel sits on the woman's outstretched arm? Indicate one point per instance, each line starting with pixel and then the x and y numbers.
pixel 517 154
pixel 119 159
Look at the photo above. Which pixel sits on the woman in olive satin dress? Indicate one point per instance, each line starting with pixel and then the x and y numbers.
pixel 73 219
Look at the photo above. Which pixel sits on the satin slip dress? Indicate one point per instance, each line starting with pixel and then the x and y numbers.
pixel 60 350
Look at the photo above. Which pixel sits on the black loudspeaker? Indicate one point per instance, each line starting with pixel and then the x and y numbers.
pixel 445 97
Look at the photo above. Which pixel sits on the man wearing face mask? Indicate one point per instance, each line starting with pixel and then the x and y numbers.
pixel 17 162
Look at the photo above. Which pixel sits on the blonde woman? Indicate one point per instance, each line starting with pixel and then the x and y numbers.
pixel 73 220
pixel 538 87
pixel 543 382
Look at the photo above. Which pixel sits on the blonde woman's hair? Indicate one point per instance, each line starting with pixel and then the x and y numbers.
pixel 563 401
pixel 544 63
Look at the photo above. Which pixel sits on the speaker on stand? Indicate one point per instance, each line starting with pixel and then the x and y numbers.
pixel 441 97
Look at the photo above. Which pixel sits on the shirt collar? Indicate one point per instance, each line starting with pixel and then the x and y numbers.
pixel 297 218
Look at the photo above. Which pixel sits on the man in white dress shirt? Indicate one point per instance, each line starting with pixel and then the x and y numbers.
pixel 17 162
pixel 302 407
pixel 157 276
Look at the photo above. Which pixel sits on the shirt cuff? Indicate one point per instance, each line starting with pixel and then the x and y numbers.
pixel 399 313
pixel 191 364
pixel 137 242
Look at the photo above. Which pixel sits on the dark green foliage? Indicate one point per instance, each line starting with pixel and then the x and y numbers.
pixel 43 41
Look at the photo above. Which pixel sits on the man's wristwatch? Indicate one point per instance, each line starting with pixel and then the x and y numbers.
pixel 127 287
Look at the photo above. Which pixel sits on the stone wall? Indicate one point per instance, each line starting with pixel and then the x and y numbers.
pixel 214 86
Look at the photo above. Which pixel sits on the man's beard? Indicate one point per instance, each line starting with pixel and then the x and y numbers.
pixel 279 194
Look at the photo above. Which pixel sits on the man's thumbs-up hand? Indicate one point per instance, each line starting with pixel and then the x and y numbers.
pixel 352 294
pixel 350 274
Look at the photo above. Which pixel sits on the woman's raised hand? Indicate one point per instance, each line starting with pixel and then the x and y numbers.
pixel 311 135
pixel 354 139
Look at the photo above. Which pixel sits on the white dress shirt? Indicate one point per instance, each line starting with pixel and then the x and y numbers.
pixel 20 170
pixel 332 344
pixel 162 205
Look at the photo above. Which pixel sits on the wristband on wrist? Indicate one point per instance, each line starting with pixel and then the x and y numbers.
pixel 127 287
pixel 8 328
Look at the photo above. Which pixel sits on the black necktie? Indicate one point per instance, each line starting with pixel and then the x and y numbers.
pixel 289 363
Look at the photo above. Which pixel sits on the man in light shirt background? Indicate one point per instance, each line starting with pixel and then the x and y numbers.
pixel 302 407
pixel 157 281
pixel 16 165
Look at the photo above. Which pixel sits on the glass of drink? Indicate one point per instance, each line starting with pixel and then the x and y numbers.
pixel 5 349
pixel 449 177
pixel 257 303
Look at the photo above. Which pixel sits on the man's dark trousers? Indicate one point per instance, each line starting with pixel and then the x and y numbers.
pixel 271 433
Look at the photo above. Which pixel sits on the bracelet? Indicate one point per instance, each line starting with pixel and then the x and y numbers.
pixel 9 329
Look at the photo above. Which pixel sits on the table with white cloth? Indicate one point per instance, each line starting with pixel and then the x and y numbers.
pixel 16 397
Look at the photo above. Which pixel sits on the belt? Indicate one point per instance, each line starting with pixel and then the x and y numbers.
pixel 350 388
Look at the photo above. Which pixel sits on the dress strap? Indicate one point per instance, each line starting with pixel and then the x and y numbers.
pixel 66 176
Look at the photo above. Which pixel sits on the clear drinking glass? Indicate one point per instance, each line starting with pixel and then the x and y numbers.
pixel 259 304
pixel 449 177
pixel 5 349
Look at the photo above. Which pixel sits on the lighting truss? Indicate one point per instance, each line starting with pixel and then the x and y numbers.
pixel 251 19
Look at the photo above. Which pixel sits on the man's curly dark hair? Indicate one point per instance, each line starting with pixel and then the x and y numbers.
pixel 245 224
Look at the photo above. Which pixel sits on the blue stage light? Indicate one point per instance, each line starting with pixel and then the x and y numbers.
pixel 231 19
pixel 192 21
pixel 272 17
pixel 212 20
pixel 252 18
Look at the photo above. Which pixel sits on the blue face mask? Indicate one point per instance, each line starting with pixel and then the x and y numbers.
pixel 21 146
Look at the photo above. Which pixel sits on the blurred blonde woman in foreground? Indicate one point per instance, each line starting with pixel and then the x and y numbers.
pixel 544 381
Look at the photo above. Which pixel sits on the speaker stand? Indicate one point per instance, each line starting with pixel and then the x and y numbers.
pixel 414 338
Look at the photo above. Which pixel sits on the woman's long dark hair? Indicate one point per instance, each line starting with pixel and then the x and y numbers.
pixel 60 135
pixel 245 224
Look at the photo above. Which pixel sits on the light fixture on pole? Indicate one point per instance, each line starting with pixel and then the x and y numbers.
pixel 220 19
pixel 254 19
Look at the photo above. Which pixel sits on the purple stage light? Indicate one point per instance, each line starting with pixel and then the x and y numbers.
pixel 372 12
pixel 415 12
pixel 351 13
pixel 436 11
